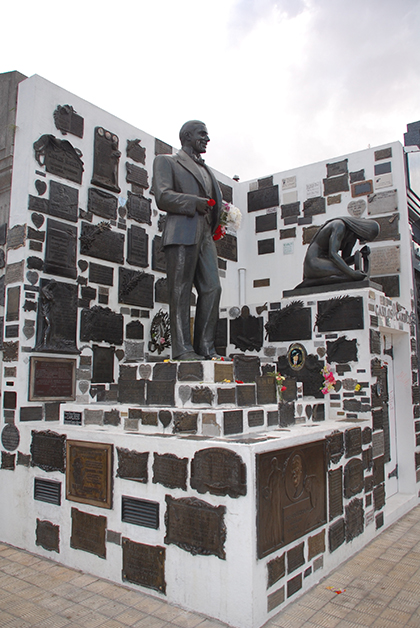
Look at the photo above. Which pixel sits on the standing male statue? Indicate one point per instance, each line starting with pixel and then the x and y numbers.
pixel 187 190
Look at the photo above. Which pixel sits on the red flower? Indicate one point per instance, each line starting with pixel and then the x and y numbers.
pixel 238 381
pixel 283 388
pixel 219 233
pixel 211 202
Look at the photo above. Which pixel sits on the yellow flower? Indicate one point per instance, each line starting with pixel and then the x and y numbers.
pixel 357 388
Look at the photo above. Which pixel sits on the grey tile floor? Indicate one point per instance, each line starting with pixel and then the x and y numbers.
pixel 382 590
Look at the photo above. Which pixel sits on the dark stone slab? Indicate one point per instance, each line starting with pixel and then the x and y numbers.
pixel 101 242
pixel 158 255
pixel 48 450
pixel 335 493
pixel 102 204
pixel 136 175
pixel 52 379
pixel 165 371
pixel 60 249
pixel 263 198
pixel 59 157
pixel 342 350
pixel 353 478
pixel 13 304
pixel 202 395
pixel 255 418
pixel 227 247
pixel 47 535
pixel 89 473
pixel 294 322
pixel 354 519
pixel 103 364
pixel 68 121
pixel 170 471
pixel 101 324
pixel 47 491
pixel 290 209
pixel 135 288
pixel 131 391
pixel 136 152
pixel 339 314
pixel 310 375
pixel 335 447
pixel 266 390
pixel 160 393
pixel 379 497
pixel 353 442
pixel 294 585
pixel 246 332
pixel 190 372
pixel 390 285
pixel 132 465
pixel 337 168
pixel 195 526
pixel 276 569
pixel 134 330
pixel 137 247
pixel 139 208
pixel 246 368
pixel 266 246
pixel 103 275
pixel 226 395
pixel 31 413
pixel 144 565
pixel 313 207
pixel 88 532
pixel 288 506
pixel 128 372
pixel 336 184
pixel 336 535
pixel 218 471
pixel 245 395
pixel 12 331
pixel 367 458
pixel 267 222
pixel 232 422
pixel 105 160
pixel 384 153
pixel 295 558
pixel 359 175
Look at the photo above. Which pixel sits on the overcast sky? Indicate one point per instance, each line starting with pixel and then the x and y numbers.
pixel 280 83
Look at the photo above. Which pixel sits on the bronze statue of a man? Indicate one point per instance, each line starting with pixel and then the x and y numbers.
pixel 187 190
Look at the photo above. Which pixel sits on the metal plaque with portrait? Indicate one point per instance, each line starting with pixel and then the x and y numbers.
pixel 296 356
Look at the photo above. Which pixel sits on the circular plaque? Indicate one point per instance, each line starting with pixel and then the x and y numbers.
pixel 296 356
pixel 10 437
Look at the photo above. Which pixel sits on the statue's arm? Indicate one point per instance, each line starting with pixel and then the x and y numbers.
pixel 337 234
pixel 167 199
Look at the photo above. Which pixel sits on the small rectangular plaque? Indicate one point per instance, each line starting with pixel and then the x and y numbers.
pixel 52 379
pixel 144 565
pixel 101 242
pixel 132 465
pixel 103 275
pixel 139 208
pixel 48 450
pixel 336 184
pixel 88 532
pixel 47 535
pixel 263 198
pixel 170 471
pixel 383 202
pixel 64 201
pixel 266 222
pixel 102 204
pixel 60 249
pixel 227 247
pixel 101 324
pixel 106 158
pixel 385 260
pixel 135 288
pixel 89 473
pixel 138 246
pixel 335 492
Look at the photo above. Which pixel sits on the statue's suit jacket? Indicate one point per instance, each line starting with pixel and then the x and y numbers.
pixel 177 185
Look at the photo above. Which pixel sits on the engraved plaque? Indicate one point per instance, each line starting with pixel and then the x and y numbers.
pixel 275 599
pixel 290 209
pixel 161 148
pixel 135 151
pixel 10 437
pixel 106 160
pixel 16 237
pixel 136 175
pixel 276 569
pixel 267 222
pixel 47 535
pixel 226 395
pixel 337 168
pixel 385 260
pixel 293 322
pixel 72 418
pixel 160 393
pixel 227 192
pixel 266 390
pixel 340 314
pixel 356 208
pixel 132 465
pixel 103 275
pixel 336 535
pixel 60 249
pixel 161 291
pixel 266 246
pixel 101 324
pixel 52 379
pixel 102 204
pixel 246 332
pixel 342 350
pixel 48 450
pixel 8 461
pixel 336 184
pixel 59 157
pixel 63 202
pixel 227 247
pixel 45 490
pixel 362 188
pixel 202 395
pixel 138 246
pixel 263 198
pixel 170 471
pixel 144 565
pixel 314 206
pixel 88 532
pixel 390 285
pixel 131 391
pixel 316 545
pixel 195 526
pixel 13 303
pixel 135 288
pixel 354 519
pixel 232 422
pixel 335 492
pixel 245 395
pixel 291 495
pixel 222 372
pixel 101 242
pixel 158 255
pixel 103 364
pixel 383 202
pixel 256 418
pixel 353 478
pixel 190 371
pixel 246 368
pixel 139 208
pixel 389 227
pixel 295 558
pixel 185 422
pixel 89 473
pixel 218 471
pixel 68 121
pixel 14 273
pixel 165 371
pixel 353 442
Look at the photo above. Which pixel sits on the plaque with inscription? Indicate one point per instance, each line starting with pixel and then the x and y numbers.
pixel 353 478
pixel 336 184
pixel 102 204
pixel 170 471
pixel 218 471
pixel 266 390
pixel 161 290
pixel 389 227
pixel 68 121
pixel 227 192
pixel 245 395
pixel 291 495
pixel 132 465
pixel 314 206
pixel 161 148
pixel 337 168
pixel 47 536
pixel 190 371
pixel 354 519
pixel 160 393
pixel 103 275
pixel 223 371
pixel 276 569
pixel 295 558
pixel 356 208
pixel 103 364
pixel 336 535
pixel 13 304
pixel 246 368
pixel 226 395
pixel 362 188
pixel 289 209
pixel 383 202
pixel 266 246
pixel 59 157
pixel 353 442
pixel 158 255
pixel 340 314
pixel 52 379
pixel 263 198
pixel 131 391
pixel 101 324
pixel 185 422
pixel 232 422
pixel 106 160
pixel 64 201
pixel 255 418
pixel 294 322
pixel 195 526
pixel 138 247
pixel 16 237
pixel 136 175
pixel 89 473
pixel 266 222
pixel 135 288
pixel 227 247
pixel 385 260
pixel 88 532
pixel 60 249
pixel 139 208
pixel 144 565
pixel 48 450
pixel 136 152
pixel 342 350
pixel 101 242
pixel 335 492
pixel 36 204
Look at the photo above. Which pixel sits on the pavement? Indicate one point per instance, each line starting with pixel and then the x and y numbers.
pixel 378 587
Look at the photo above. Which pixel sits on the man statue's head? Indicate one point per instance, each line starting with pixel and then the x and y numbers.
pixel 194 136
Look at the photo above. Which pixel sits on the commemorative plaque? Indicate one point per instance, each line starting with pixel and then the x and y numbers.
pixel 353 442
pixel 68 121
pixel 106 160
pixel 137 246
pixel 102 204
pixel 103 364
pixel 266 246
pixel 132 465
pixel 336 184
pixel 103 275
pixel 263 198
pixel 223 371
pixel 266 222
pixel 256 418
pixel 340 314
pixel 165 371
pixel 246 332
pixel 139 208
pixel 246 368
pixel 226 395
pixel 170 471
pixel 101 324
pixel 48 450
pixel 144 565
pixel 160 393
pixel 190 371
pixel 16 237
pixel 291 495
pixel 37 204
pixel 294 322
pixel 245 395
pixel 202 395
pixel 335 492
pixel 314 206
pixel 31 413
pixel 218 471
pixel 336 535
pixel 59 157
pixel 161 290
pixel 337 168
pixel 185 422
pixel 47 536
pixel 354 519
pixel 63 202
pixel 134 330
pixel 342 350
pixel 88 532
pixel 385 260
pixel 353 478
pixel 316 545
pixel 101 242
pixel 13 304
pixel 232 422
pixel 276 569
pixel 135 288
pixel 158 255
pixel 136 175
pixel 131 391
pixel 10 437
pixel 136 152
pixel 227 247
pixel 275 599
pixel 89 473
pixel 227 192
pixel 52 379
pixel 362 188
pixel 288 210
pixel 295 558
pixel 389 227
pixel 379 496
pixel 195 526
pixel 8 461
pixel 383 202
pixel 60 249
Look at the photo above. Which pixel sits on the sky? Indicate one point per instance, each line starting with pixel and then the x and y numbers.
pixel 279 83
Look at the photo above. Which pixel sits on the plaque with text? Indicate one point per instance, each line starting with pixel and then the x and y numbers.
pixel 136 175
pixel 383 202
pixel 263 198
pixel 139 208
pixel 293 322
pixel 101 324
pixel 136 152
pixel 227 192
pixel 103 364
pixel 48 450
pixel 218 471
pixel 388 227
pixel 195 526
pixel 132 465
pixel 336 184
pixel 266 222
pixel 353 478
pixel 337 168
pixel 106 158
pixel 247 368
pixel 88 532
pixel 60 249
pixel 227 247
pixel 385 260
pixel 314 206
pixel 135 287
pixel 52 379
pixel 59 157
pixel 335 492
pixel 103 275
pixel 63 202
pixel 101 242
pixel 144 565
pixel 170 471
pixel 232 422
pixel 291 495
pixel 89 473
pixel 340 314
pixel 47 535
pixel 102 204
pixel 137 246
pixel 13 304
pixel 354 519
pixel 68 121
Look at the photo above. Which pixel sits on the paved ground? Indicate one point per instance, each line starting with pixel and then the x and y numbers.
pixel 382 590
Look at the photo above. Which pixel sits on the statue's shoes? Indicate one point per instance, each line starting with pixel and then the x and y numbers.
pixel 189 356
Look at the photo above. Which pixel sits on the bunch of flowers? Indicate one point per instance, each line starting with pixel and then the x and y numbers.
pixel 230 218
pixel 280 384
pixel 329 380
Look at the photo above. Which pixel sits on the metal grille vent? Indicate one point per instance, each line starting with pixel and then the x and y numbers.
pixel 140 512
pixel 47 491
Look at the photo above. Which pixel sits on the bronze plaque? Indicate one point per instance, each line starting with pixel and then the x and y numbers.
pixel 353 478
pixel 144 565
pixel 295 557
pixel 245 395
pixel 291 495
pixel 170 471
pixel 106 160
pixel 195 526
pixel 276 569
pixel 59 157
pixel 52 379
pixel 316 545
pixel 353 441
pixel 88 532
pixel 355 520
pixel 223 372
pixel 48 450
pixel 336 535
pixel 89 473
pixel 132 465
pixel 48 535
pixel 226 395
pixel 218 471
pixel 335 492
pixel 266 390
